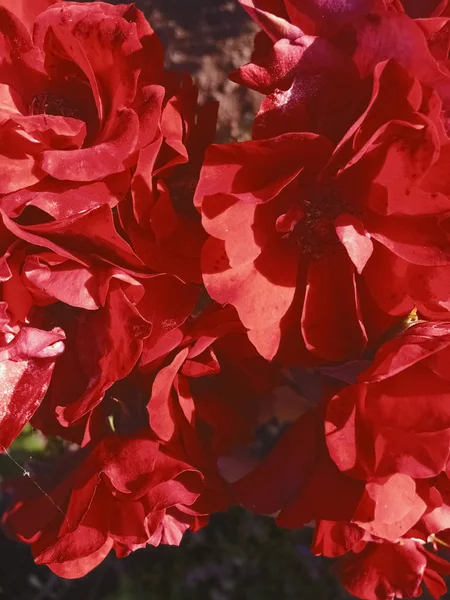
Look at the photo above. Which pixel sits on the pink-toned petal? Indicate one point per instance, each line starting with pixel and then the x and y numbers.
pixel 416 202
pixel 419 240
pixel 10 103
pixel 267 340
pixel 350 230
pixel 63 200
pixel 185 398
pixel 246 228
pixel 276 67
pixel 403 166
pixel 100 160
pixel 261 291
pixel 390 507
pixel 26 367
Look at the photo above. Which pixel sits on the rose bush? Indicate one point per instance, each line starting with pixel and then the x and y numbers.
pixel 257 322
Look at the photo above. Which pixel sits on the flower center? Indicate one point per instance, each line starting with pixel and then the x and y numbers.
pixel 311 222
pixel 51 104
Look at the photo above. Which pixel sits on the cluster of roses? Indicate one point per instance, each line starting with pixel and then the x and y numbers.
pixel 161 298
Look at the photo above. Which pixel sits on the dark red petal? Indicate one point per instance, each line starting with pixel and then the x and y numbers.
pixel 109 343
pixel 332 329
pixel 128 464
pixel 335 538
pixel 160 409
pixel 384 571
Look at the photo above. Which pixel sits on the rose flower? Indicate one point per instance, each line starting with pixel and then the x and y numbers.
pixel 331 244
pixel 78 100
pixel 80 275
pixel 122 494
pixel 315 60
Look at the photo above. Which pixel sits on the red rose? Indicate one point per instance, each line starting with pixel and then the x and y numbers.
pixel 80 275
pixel 126 493
pixel 397 419
pixel 330 244
pixel 78 102
pixel 384 570
pixel 309 80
